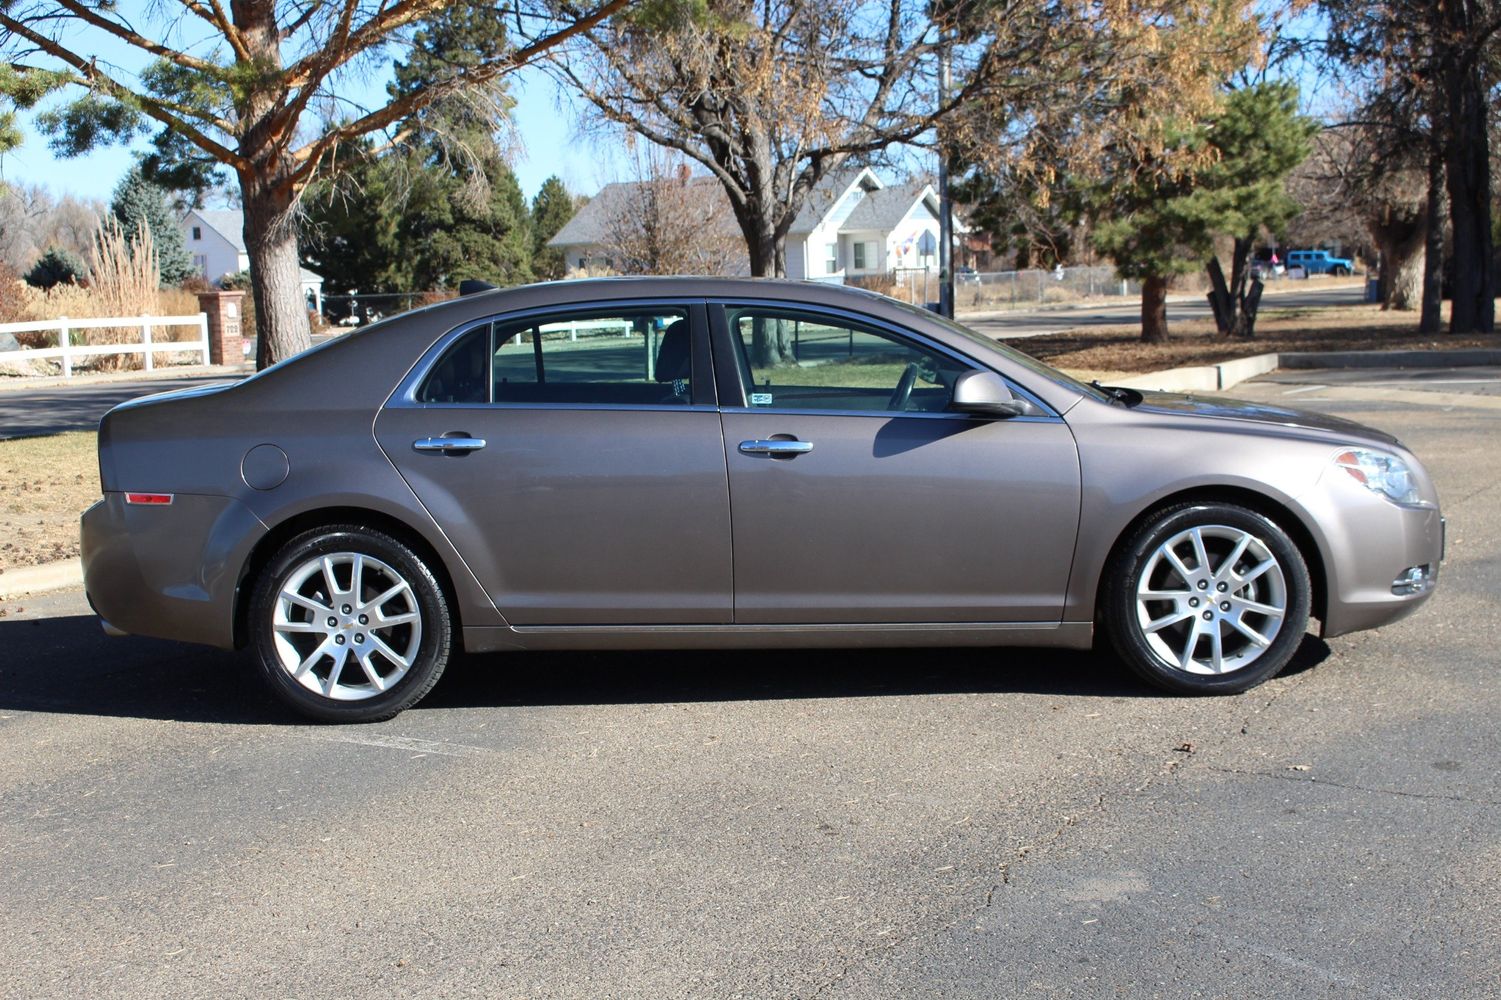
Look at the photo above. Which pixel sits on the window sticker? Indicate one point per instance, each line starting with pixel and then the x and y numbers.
pixel 760 399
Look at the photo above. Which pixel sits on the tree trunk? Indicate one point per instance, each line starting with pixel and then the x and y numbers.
pixel 1400 238
pixel 771 339
pixel 1433 253
pixel 1154 310
pixel 275 277
pixel 1469 178
pixel 268 196
pixel 768 254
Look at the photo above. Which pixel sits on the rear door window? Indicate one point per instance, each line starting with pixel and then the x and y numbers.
pixel 633 357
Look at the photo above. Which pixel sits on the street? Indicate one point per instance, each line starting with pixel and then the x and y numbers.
pixel 848 824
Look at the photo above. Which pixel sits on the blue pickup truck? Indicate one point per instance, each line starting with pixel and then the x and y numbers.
pixel 1320 262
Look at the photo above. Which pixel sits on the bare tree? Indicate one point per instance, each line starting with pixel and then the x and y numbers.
pixel 1433 69
pixel 253 85
pixel 669 221
pixel 31 220
pixel 1359 184
pixel 773 97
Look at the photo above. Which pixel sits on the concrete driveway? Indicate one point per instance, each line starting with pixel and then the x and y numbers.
pixel 957 823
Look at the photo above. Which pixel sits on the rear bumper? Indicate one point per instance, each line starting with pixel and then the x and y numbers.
pixel 172 571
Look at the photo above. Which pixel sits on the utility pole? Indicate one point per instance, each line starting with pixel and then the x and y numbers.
pixel 945 202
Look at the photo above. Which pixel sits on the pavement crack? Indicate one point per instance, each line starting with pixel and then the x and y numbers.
pixel 1287 686
pixel 1454 505
pixel 1355 788
pixel 1021 853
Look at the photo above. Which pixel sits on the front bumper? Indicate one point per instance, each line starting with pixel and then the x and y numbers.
pixel 1371 547
pixel 169 571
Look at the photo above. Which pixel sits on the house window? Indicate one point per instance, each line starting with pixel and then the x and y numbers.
pixel 831 260
pixel 860 264
pixel 197 232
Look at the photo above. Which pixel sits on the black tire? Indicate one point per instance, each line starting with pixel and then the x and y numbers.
pixel 1341 272
pixel 425 641
pixel 1229 611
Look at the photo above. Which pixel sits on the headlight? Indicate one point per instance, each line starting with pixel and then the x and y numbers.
pixel 1381 473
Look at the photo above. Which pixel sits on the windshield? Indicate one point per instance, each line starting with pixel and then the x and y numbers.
pixel 1025 360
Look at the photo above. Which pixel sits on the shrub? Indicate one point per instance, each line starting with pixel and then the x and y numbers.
pixel 14 302
pixel 57 267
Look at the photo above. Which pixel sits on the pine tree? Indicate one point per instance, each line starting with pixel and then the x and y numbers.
pixel 137 200
pixel 551 210
pixel 1156 223
pixel 444 206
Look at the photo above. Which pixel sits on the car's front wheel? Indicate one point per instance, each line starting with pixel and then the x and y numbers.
pixel 349 625
pixel 1207 599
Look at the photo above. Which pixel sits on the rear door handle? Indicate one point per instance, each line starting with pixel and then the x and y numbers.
pixel 776 448
pixel 449 445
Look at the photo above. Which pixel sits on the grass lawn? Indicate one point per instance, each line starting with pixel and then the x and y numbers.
pixel 45 484
pixel 1103 350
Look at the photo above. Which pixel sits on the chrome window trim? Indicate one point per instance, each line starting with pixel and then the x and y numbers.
pixel 655 407
pixel 876 322
pixel 792 411
pixel 405 395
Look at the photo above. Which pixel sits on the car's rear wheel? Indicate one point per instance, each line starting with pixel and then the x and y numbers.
pixel 1207 599
pixel 349 625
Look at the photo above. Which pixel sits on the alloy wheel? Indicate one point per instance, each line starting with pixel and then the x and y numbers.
pixel 1211 599
pixel 346 626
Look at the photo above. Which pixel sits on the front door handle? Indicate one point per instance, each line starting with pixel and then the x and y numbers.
pixel 776 448
pixel 449 445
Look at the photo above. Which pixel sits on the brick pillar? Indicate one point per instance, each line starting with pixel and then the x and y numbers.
pixel 226 346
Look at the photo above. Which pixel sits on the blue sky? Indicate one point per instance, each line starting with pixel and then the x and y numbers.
pixel 549 139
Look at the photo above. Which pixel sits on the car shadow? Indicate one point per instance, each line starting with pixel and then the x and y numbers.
pixel 66 665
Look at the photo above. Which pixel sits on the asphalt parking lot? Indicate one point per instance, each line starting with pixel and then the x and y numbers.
pixel 957 823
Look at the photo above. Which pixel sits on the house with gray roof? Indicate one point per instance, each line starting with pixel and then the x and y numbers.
pixel 216 239
pixel 852 225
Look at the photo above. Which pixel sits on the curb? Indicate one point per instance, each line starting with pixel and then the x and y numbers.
pixel 60 575
pixel 1216 378
pixel 1391 359
pixel 1204 378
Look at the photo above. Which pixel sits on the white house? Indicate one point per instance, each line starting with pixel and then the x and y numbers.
pixel 216 239
pixel 851 226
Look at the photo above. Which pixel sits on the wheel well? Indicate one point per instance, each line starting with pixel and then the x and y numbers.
pixel 267 547
pixel 1261 504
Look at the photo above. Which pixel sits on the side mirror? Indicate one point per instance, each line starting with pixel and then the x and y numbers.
pixel 985 394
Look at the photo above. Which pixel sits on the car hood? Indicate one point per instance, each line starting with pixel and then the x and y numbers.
pixel 1261 414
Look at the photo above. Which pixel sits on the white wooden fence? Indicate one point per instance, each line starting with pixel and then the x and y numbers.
pixel 68 352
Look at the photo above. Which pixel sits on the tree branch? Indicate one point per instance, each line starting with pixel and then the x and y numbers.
pixel 163 111
pixel 310 154
pixel 120 31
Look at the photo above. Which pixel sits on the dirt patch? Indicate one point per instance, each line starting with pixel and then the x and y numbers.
pixel 45 484
pixel 1119 349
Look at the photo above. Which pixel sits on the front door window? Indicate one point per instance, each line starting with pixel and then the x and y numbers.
pixel 795 360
